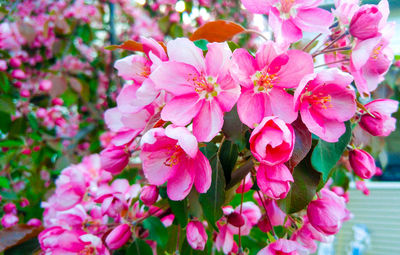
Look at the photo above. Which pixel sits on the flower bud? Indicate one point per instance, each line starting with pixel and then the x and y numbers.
pixel 281 246
pixel 34 222
pixel 365 22
pixel 18 74
pixel 15 62
pixel 236 219
pixel 274 181
pixel 25 93
pixel 10 208
pixel 360 185
pixel 149 195
pixel 24 202
pixel 45 85
pixel 9 220
pixel 3 65
pixel 196 235
pixel 114 159
pixel 362 163
pixel 118 236
pixel 57 101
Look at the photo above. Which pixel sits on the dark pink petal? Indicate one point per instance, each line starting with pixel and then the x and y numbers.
pixel 208 122
pixel 266 53
pixel 243 67
pixel 252 107
pixel 279 97
pixel 202 170
pixel 181 182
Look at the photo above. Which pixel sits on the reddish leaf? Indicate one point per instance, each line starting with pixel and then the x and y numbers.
pixel 302 144
pixel 127 45
pixel 217 31
pixel 16 235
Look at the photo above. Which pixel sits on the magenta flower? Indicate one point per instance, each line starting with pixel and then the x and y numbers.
pixel 114 158
pixel 202 87
pixel 365 22
pixel 288 18
pixel 172 155
pixel 264 80
pixel 274 181
pixel 325 102
pixel 149 195
pixel 118 236
pixel 281 246
pixel 381 123
pixel 272 141
pixel 362 163
pixel 196 235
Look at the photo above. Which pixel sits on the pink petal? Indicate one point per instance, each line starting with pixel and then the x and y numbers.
pixel 266 53
pixel 243 67
pixel 137 120
pixel 290 32
pixel 112 117
pixel 208 122
pixel 252 107
pixel 362 51
pixel 217 59
pixel 229 95
pixel 202 169
pixel 133 67
pixel 181 182
pixel 150 45
pixel 183 50
pixel 186 140
pixel 174 77
pixel 257 6
pixel 279 97
pixel 314 20
pixel 182 109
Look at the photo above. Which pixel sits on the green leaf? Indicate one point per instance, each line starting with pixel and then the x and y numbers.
pixel 340 177
pixel 213 200
pixel 228 156
pixel 157 231
pixel 11 143
pixel 180 210
pixel 210 150
pixel 326 155
pixel 4 83
pixel 139 247
pixel 302 191
pixel 202 44
pixel 33 121
pixel 233 46
pixel 6 104
pixel 188 250
pixel 4 182
pixel 5 122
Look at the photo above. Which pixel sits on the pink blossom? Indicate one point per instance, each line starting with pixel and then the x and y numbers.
pixel 25 93
pixel 281 246
pixel 327 213
pixel 61 241
pixel 325 102
pixel 196 235
pixel 149 194
pixel 114 159
pixel 3 65
pixel 345 9
pixel 247 184
pixel 272 141
pixel 45 85
pixel 381 123
pixel 365 22
pixel 34 222
pixel 18 74
pixel 360 185
pixel 24 202
pixel 274 181
pixel 362 163
pixel 15 62
pixel 172 155
pixel 264 80
pixel 202 87
pixel 288 18
pixel 9 220
pixel 118 236
pixel 10 208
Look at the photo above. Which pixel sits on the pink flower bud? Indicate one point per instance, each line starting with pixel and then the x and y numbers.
pixel 114 159
pixel 57 101
pixel 17 84
pixel 381 123
pixel 9 220
pixel 45 85
pixel 274 181
pixel 18 74
pixel 10 208
pixel 41 113
pixel 25 93
pixel 15 62
pixel 118 236
pixel 36 148
pixel 360 185
pixel 362 163
pixel 26 151
pixel 24 202
pixel 3 65
pixel 248 183
pixel 196 235
pixel 236 219
pixel 365 22
pixel 378 171
pixel 327 213
pixel 34 222
pixel 149 195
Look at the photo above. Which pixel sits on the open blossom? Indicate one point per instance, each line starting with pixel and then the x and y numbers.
pixel 272 141
pixel 274 181
pixel 196 235
pixel 325 102
pixel 172 155
pixel 288 18
pixel 362 163
pixel 381 123
pixel 264 80
pixel 281 246
pixel 327 213
pixel 203 88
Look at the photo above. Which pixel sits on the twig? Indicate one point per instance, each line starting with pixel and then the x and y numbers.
pixel 311 42
pixel 334 62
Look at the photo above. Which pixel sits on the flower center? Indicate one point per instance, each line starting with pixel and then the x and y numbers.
pixel 319 100
pixel 173 158
pixel 205 86
pixel 376 52
pixel 263 81
pixel 285 8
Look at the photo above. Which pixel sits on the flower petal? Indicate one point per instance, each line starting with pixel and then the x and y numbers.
pixel 182 109
pixel 208 122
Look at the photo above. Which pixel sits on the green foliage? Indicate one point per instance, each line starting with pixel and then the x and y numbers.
pixel 156 230
pixel 180 210
pixel 139 247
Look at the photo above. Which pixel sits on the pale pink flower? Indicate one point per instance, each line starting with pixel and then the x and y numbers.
pixel 281 246
pixel 202 87
pixel 272 141
pixel 264 80
pixel 381 123
pixel 9 220
pixel 196 235
pixel 345 10
pixel 325 102
pixel 288 18
pixel 172 155
pixel 118 236
pixel 274 181
pixel 362 163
